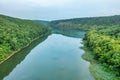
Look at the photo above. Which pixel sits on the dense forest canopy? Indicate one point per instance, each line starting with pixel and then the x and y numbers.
pixel 17 33
pixel 102 38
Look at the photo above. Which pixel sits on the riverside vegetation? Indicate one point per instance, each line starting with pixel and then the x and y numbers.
pixel 102 40
pixel 102 43
pixel 16 34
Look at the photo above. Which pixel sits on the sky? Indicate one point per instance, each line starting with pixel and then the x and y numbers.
pixel 59 9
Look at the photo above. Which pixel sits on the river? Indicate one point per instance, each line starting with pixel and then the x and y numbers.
pixel 56 58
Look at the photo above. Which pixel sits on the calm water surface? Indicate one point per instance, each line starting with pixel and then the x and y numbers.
pixel 56 58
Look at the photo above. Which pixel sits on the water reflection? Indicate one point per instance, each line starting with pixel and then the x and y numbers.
pixel 11 63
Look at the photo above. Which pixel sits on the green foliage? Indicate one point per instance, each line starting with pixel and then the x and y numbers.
pixel 106 49
pixel 17 33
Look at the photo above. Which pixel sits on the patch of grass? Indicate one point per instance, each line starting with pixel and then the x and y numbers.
pixel 88 55
pixel 97 69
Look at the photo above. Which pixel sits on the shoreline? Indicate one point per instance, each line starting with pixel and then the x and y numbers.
pixel 15 52
pixel 97 69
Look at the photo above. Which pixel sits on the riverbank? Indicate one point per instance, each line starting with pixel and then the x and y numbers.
pixel 15 52
pixel 97 69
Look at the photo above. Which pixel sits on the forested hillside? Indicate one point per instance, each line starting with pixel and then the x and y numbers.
pixel 16 33
pixel 87 23
pixel 102 38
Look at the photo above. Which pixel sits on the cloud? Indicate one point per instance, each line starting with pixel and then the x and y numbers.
pixel 57 9
pixel 37 3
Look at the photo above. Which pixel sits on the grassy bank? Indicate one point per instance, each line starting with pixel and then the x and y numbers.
pixel 97 69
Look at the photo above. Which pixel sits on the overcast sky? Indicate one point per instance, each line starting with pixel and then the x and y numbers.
pixel 59 9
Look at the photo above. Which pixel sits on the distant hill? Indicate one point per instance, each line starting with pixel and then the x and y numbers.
pixel 85 23
pixel 42 22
